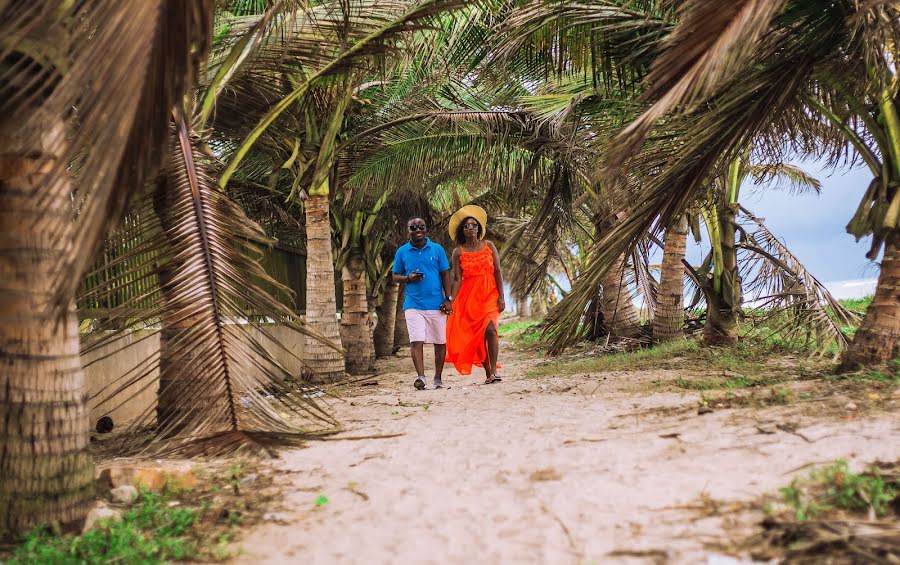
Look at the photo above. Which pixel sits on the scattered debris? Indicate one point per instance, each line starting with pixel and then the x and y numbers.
pixel 545 475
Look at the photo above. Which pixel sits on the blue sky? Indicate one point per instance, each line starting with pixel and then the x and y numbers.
pixel 813 225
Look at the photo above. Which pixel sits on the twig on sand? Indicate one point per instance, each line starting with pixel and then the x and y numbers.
pixel 565 530
pixel 357 438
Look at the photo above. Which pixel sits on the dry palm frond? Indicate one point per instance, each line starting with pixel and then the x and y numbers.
pixel 711 42
pixel 107 73
pixel 788 295
pixel 220 387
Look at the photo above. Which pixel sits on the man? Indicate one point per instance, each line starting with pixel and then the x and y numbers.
pixel 422 264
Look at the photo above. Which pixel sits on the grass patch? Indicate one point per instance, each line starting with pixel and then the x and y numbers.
pixel 835 489
pixel 639 359
pixel 174 525
pixel 858 305
pixel 725 383
pixel 151 531
pixel 521 333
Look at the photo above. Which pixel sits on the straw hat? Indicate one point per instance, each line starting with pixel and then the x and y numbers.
pixel 469 211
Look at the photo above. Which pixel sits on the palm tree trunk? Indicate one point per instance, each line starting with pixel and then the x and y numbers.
pixel 45 463
pixel 878 337
pixel 356 327
pixel 724 303
pixel 401 335
pixel 669 320
pixel 619 314
pixel 387 316
pixel 522 308
pixel 321 310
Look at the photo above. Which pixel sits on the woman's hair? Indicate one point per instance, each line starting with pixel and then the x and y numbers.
pixel 460 232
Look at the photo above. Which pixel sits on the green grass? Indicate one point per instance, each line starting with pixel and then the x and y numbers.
pixel 728 383
pixel 150 532
pixel 631 361
pixel 835 488
pixel 858 305
pixel 521 333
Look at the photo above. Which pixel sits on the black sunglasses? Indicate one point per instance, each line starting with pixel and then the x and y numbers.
pixel 470 226
pixel 417 227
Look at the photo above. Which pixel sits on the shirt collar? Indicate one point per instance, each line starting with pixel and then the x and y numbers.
pixel 427 243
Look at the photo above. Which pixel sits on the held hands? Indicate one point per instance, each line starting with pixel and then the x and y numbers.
pixel 447 307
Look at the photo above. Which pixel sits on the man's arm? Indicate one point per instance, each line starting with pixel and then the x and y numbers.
pixel 399 273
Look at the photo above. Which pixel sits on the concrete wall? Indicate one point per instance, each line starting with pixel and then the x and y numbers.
pixel 134 359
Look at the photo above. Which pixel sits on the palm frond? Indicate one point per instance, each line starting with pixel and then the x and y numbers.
pixel 220 385
pixel 79 67
pixel 790 298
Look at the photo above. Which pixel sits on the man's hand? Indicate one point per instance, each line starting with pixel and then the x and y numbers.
pixel 501 304
pixel 447 307
pixel 415 276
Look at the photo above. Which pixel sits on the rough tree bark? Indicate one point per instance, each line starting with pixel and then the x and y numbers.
pixel 46 471
pixel 878 337
pixel 619 314
pixel 356 326
pixel 523 309
pixel 387 316
pixel 668 324
pixel 401 335
pixel 321 310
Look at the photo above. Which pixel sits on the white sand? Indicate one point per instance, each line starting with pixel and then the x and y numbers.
pixel 558 470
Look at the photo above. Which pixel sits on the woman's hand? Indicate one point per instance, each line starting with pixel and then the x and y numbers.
pixel 501 304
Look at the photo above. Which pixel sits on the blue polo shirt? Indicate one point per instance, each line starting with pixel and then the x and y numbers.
pixel 431 260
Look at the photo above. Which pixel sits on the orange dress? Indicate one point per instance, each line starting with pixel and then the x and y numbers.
pixel 474 308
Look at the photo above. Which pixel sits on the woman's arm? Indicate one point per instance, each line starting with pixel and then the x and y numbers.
pixel 498 276
pixel 457 274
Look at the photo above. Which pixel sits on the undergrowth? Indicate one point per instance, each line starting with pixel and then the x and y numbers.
pixel 151 531
pixel 174 525
pixel 638 359
pixel 836 489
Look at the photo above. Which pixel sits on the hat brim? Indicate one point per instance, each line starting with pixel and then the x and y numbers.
pixel 469 211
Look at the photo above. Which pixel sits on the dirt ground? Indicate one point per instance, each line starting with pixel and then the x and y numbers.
pixel 589 468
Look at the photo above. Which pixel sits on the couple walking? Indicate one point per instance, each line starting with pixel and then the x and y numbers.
pixel 459 315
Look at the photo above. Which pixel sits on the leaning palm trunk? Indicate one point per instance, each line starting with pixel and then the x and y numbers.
pixel 401 334
pixel 619 314
pixel 356 327
pixel 321 310
pixel 45 465
pixel 669 320
pixel 878 337
pixel 387 317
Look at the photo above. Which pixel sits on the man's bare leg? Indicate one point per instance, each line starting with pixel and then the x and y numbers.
pixel 440 352
pixel 418 357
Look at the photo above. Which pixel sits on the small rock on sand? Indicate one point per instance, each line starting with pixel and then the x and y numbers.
pixel 96 515
pixel 124 494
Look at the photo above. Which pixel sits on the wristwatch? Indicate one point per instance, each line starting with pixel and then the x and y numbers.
pixel 450 298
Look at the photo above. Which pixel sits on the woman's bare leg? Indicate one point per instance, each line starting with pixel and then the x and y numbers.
pixel 492 341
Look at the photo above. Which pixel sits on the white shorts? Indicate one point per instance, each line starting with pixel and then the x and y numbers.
pixel 427 326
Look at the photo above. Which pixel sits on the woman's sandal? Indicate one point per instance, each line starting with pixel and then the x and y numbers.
pixel 492 379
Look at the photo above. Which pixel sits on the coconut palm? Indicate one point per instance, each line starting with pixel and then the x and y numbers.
pixel 787 76
pixel 67 174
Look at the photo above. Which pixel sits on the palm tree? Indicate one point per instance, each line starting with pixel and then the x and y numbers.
pixel 824 79
pixel 668 323
pixel 301 127
pixel 66 177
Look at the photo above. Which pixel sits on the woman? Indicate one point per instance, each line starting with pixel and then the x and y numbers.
pixel 476 296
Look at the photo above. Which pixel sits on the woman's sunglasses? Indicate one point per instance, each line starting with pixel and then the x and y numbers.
pixel 417 227
pixel 470 226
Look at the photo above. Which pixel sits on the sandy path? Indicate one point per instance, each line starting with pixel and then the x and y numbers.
pixel 560 470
